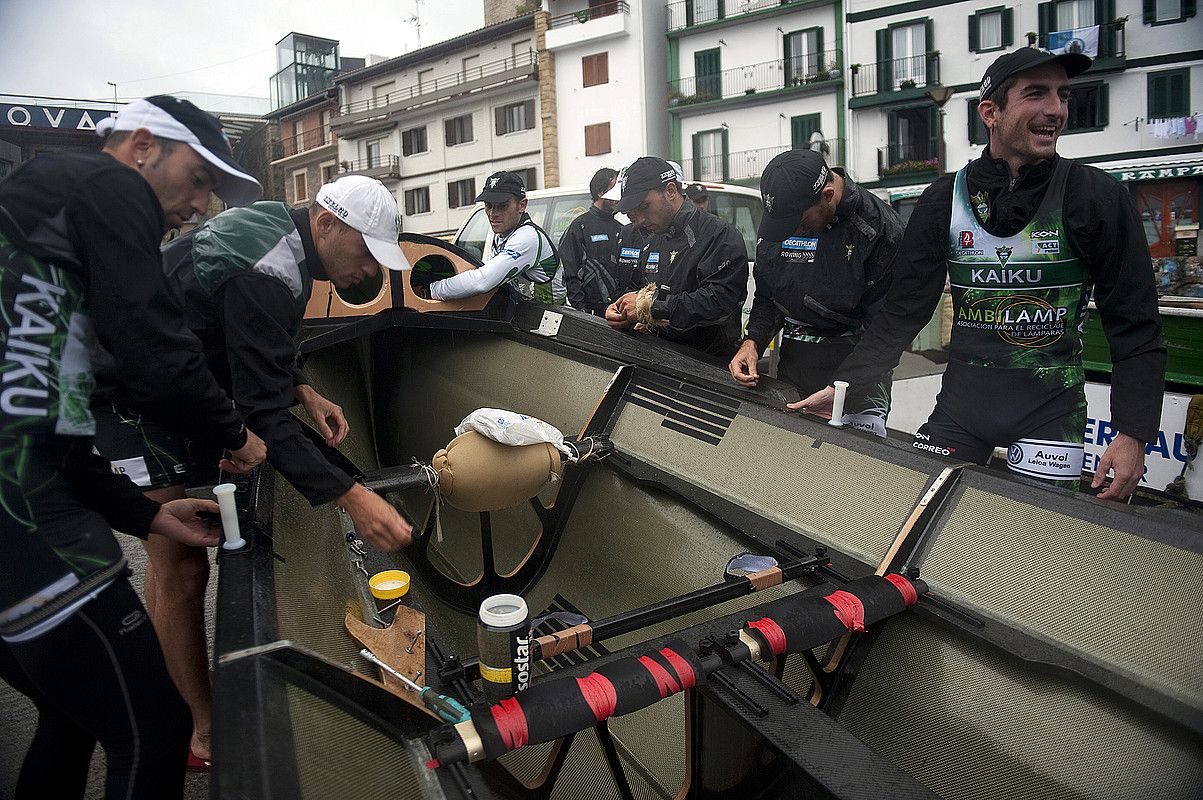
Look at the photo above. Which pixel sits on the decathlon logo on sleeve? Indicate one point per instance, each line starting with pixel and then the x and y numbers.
pixel 800 243
pixel 629 252
pixel 600 237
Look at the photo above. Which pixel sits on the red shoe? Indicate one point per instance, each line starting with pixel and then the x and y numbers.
pixel 196 763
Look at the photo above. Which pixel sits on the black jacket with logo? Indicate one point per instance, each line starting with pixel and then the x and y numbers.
pixel 830 283
pixel 700 265
pixel 587 254
pixel 1104 230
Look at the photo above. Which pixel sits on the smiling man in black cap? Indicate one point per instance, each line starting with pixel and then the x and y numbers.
pixel 522 251
pixel 1025 237
pixel 695 265
pixel 823 265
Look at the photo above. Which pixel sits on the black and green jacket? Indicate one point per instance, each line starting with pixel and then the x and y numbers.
pixel 81 281
pixel 244 278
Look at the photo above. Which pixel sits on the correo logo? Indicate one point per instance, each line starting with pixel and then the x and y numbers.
pixel 966 240
pixel 493 182
pixel 768 203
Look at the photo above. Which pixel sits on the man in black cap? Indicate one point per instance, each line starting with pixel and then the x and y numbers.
pixel 698 195
pixel 823 265
pixel 80 276
pixel 695 265
pixel 1025 236
pixel 587 249
pixel 523 253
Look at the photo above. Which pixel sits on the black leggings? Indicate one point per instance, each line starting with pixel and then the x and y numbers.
pixel 100 676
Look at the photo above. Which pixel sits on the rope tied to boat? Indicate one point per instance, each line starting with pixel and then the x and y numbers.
pixel 432 480
pixel 645 322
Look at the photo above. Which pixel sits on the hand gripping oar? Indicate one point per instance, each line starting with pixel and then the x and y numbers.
pixel 557 707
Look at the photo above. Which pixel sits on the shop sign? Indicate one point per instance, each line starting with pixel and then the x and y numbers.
pixel 50 117
pixel 1159 173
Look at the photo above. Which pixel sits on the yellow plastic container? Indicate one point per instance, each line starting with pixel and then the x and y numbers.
pixel 389 585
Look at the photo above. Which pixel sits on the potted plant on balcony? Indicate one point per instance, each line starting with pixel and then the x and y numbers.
pixel 912 165
pixel 907 84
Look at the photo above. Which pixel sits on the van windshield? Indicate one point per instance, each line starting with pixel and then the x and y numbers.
pixel 743 212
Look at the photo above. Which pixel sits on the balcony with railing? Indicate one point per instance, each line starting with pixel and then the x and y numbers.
pixel 817 70
pixel 300 143
pixel 376 167
pixel 748 165
pixel 688 13
pixel 362 115
pixel 1110 50
pixel 898 78
pixel 597 22
pixel 909 162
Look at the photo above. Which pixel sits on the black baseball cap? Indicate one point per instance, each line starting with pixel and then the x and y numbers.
pixel 791 183
pixel 500 187
pixel 642 176
pixel 181 121
pixel 1026 58
pixel 696 191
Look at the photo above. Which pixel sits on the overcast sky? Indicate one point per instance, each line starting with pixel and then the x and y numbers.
pixel 71 48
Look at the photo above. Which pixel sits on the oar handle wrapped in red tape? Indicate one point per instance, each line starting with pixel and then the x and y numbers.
pixel 802 622
pixel 555 708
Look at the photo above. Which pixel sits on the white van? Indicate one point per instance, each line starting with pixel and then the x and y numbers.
pixel 553 210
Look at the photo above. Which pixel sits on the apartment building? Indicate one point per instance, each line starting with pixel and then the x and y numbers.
pixel 749 79
pixel 610 72
pixel 915 70
pixel 434 123
pixel 304 151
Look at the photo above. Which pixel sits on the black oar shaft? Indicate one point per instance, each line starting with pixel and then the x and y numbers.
pixel 583 635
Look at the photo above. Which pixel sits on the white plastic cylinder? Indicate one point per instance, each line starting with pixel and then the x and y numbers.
pixel 837 405
pixel 229 516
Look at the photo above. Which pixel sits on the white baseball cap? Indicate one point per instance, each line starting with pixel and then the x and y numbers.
pixel 181 121
pixel 615 191
pixel 369 207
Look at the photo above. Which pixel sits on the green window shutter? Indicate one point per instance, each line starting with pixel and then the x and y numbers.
pixel 885 71
pixel 1157 84
pixel 1188 8
pixel 688 12
pixel 931 68
pixel 697 163
pixel 1045 16
pixel 1179 99
pixel 1104 107
pixel 933 132
pixel 977 129
pixel 801 128
pixel 974 39
pixel 1149 12
pixel 499 119
pixel 787 55
pixel 726 172
pixel 1108 33
pixel 892 132
pixel 1008 27
pixel 819 44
